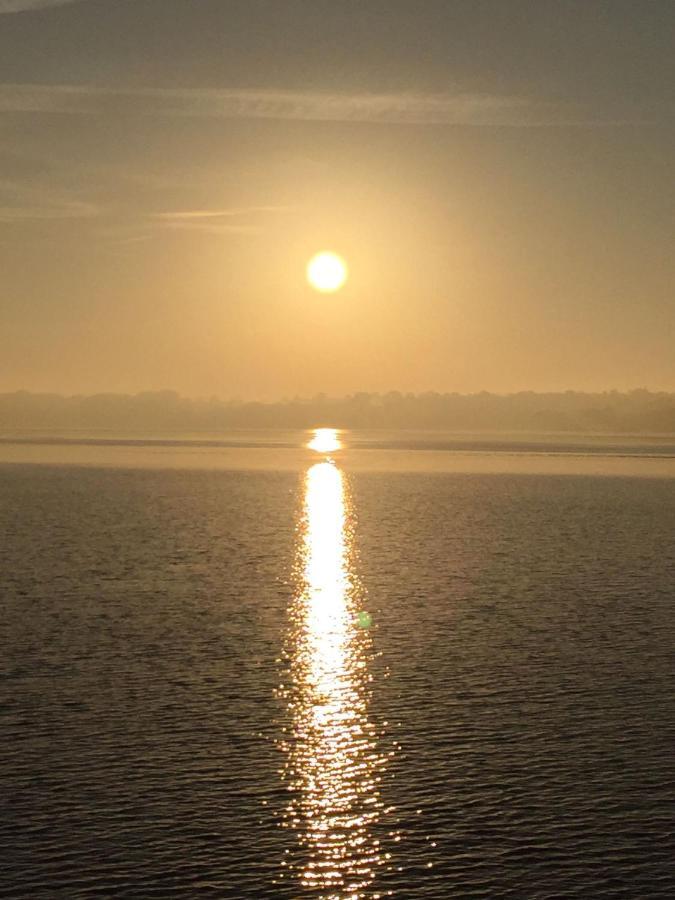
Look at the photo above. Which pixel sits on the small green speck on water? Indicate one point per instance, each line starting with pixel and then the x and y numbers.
pixel 365 619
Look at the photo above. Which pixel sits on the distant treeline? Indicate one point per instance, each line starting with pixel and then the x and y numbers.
pixel 638 411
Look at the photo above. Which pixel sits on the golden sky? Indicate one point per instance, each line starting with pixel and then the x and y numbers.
pixel 498 177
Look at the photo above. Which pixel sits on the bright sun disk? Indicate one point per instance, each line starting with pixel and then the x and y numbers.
pixel 327 272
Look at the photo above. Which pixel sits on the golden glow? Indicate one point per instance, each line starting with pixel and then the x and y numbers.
pixel 327 272
pixel 332 760
pixel 325 440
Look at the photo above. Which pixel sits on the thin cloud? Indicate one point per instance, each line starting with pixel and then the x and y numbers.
pixel 209 227
pixel 63 99
pixel 304 106
pixel 25 203
pixel 196 215
pixel 18 6
pixel 12 214
pixel 216 221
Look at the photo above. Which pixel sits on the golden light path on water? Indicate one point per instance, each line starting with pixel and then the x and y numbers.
pixel 332 759
pixel 325 440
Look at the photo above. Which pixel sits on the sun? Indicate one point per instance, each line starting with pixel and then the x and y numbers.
pixel 327 272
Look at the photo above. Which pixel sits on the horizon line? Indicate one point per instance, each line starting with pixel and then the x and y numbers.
pixel 325 397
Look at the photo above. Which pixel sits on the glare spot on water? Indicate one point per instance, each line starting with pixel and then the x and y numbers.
pixel 325 440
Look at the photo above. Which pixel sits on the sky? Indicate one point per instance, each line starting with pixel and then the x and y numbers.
pixel 499 176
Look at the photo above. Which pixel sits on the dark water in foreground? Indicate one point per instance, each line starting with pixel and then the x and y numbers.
pixel 189 706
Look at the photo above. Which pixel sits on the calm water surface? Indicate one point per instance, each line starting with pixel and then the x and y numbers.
pixel 336 679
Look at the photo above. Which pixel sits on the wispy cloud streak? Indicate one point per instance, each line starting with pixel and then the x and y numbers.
pixel 217 221
pixel 209 227
pixel 24 203
pixel 18 6
pixel 197 215
pixel 73 210
pixel 309 106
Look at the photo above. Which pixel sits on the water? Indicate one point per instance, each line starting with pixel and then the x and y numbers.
pixel 192 705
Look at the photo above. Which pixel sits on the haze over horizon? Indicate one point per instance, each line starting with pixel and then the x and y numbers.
pixel 612 412
pixel 499 178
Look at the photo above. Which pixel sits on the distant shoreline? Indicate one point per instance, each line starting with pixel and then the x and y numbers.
pixel 610 414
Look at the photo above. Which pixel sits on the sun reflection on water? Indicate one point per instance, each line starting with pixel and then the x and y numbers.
pixel 325 440
pixel 332 765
